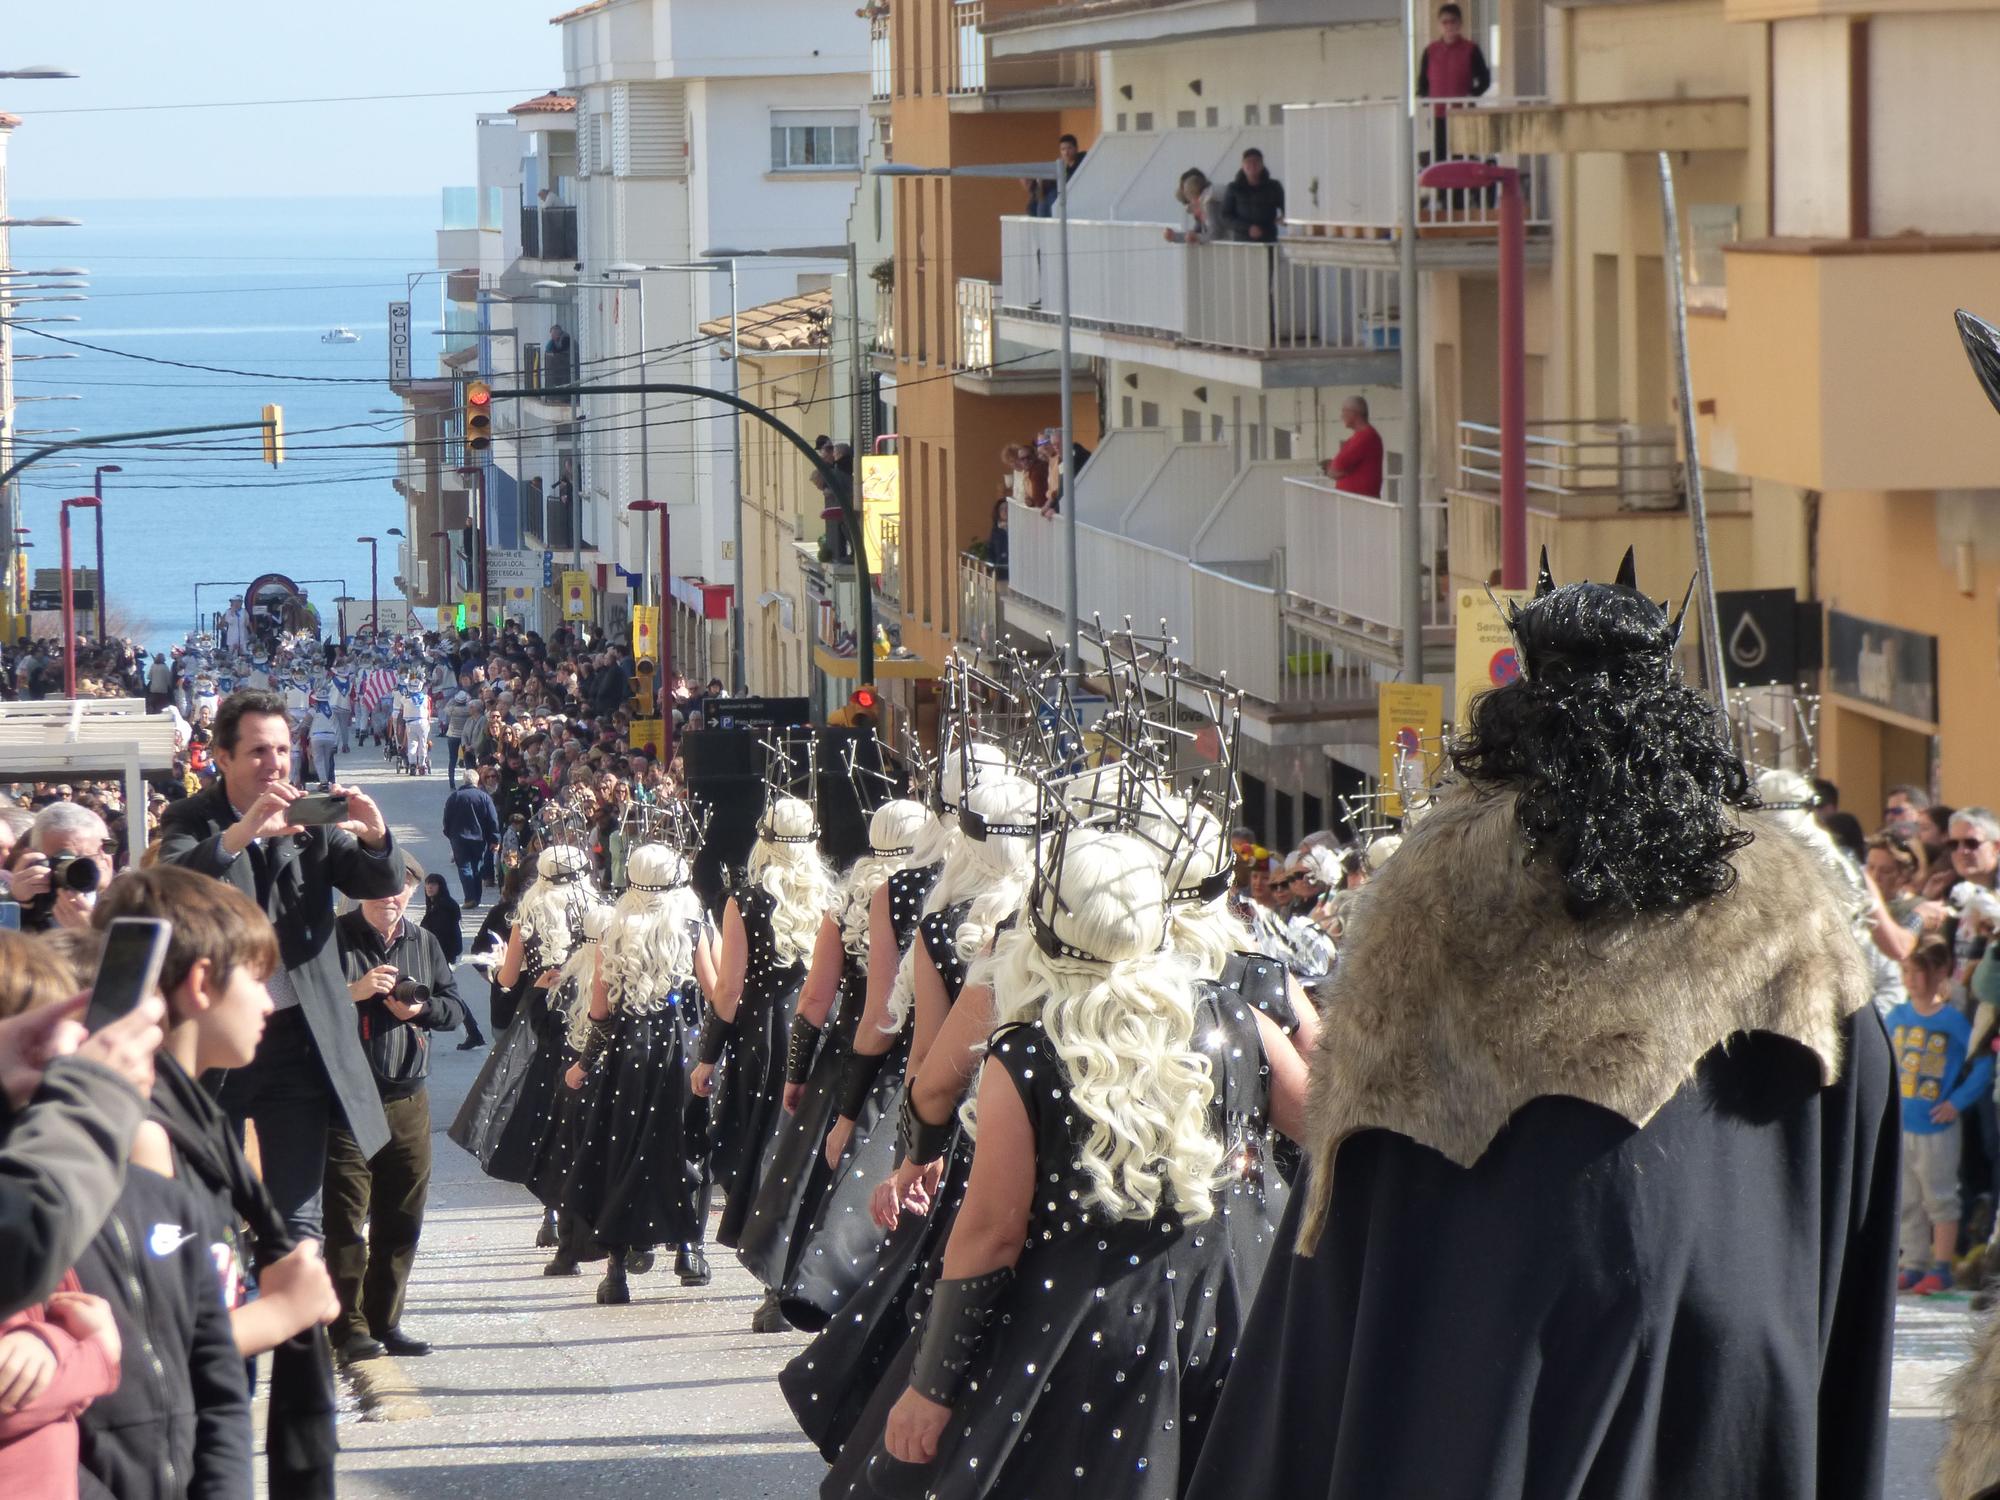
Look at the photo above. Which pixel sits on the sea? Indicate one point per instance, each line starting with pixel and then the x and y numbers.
pixel 202 311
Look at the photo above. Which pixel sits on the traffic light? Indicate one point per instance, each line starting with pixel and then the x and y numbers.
pixel 478 417
pixel 863 710
pixel 274 434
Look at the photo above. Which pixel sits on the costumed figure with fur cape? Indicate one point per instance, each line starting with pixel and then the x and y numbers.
pixel 1603 1132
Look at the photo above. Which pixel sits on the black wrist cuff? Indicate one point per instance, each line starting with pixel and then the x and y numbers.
pixel 799 1050
pixel 918 1139
pixel 601 1032
pixel 715 1034
pixel 857 1077
pixel 955 1327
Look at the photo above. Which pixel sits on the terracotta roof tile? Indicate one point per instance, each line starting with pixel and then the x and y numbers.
pixel 581 10
pixel 794 324
pixel 550 103
pixel 8 122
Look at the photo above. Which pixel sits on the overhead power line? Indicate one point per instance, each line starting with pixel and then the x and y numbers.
pixel 120 109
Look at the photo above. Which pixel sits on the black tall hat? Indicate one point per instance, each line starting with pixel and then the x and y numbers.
pixel 1982 347
pixel 1593 622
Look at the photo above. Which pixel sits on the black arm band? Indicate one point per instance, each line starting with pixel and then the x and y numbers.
pixel 857 1076
pixel 917 1139
pixel 601 1032
pixel 953 1330
pixel 799 1050
pixel 715 1034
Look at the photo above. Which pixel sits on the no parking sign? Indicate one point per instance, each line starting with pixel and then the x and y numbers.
pixel 1485 657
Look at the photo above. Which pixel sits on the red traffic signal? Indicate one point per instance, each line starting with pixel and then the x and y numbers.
pixel 865 699
pixel 478 417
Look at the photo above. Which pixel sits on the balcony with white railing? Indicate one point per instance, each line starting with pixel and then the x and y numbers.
pixel 1344 166
pixel 890 586
pixel 979 588
pixel 1594 487
pixel 1344 562
pixel 883 344
pixel 1244 312
pixel 981 83
pixel 987 363
pixel 881 64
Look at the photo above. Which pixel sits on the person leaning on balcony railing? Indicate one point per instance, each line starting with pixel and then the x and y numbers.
pixel 1357 467
pixel 1201 201
pixel 556 357
pixel 1042 190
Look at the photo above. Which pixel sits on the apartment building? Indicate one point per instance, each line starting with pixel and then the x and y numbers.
pixel 1849 457
pixel 1225 366
pixel 959 390
pixel 694 131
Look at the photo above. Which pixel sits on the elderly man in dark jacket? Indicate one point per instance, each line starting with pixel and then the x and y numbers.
pixel 401 990
pixel 310 1073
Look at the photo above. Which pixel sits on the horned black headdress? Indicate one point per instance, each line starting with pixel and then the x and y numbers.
pixel 1550 631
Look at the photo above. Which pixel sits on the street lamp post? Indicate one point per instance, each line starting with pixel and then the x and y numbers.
pixel 69 596
pixel 450 580
pixel 97 487
pixel 397 531
pixel 374 597
pixel 1478 176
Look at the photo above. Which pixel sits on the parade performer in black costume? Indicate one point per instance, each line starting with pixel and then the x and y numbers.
pixel 1603 1194
pixel 509 1109
pixel 984 884
pixel 1079 1336
pixel 796 1172
pixel 631 1178
pixel 844 1244
pixel 768 930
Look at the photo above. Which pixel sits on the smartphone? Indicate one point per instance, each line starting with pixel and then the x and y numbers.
pixel 318 808
pixel 134 949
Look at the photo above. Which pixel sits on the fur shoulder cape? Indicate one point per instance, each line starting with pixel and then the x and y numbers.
pixel 1464 990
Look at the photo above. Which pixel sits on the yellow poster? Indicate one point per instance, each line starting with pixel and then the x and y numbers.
pixel 1485 657
pixel 575 594
pixel 881 500
pixel 651 732
pixel 470 604
pixel 1409 721
pixel 646 632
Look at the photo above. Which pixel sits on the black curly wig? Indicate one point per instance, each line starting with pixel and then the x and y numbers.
pixel 1623 775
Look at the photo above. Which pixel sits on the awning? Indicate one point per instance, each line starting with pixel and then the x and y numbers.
pixel 846 668
pixel 1648 125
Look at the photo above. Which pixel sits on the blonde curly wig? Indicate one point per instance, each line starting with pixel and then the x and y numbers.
pixel 892 835
pixel 1190 842
pixel 562 874
pixel 649 951
pixel 992 873
pixel 1122 1024
pixel 801 885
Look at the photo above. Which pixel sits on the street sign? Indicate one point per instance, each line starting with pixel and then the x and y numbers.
pixel 575 595
pixel 1760 636
pixel 1485 657
pixel 1410 720
pixel 82 599
pixel 399 343
pixel 514 567
pixel 548 570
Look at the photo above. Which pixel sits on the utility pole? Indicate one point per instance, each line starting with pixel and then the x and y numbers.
pixel 1411 508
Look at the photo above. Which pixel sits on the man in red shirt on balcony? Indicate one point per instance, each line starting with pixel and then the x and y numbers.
pixel 1357 467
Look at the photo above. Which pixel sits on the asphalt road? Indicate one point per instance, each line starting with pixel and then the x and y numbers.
pixel 536 1392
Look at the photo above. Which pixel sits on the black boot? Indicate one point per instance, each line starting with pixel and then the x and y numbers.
pixel 614 1290
pixel 545 1237
pixel 638 1262
pixel 768 1318
pixel 691 1266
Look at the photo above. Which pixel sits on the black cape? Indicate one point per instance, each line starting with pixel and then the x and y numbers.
pixel 1598 1210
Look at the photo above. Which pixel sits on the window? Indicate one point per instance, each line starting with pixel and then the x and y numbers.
pixel 1143 120
pixel 815 140
pixel 1184 119
pixel 1190 426
pixel 1121 119
pixel 1214 117
pixel 1149 414
pixel 1125 411
pixel 1281 442
pixel 1252 115
pixel 600 141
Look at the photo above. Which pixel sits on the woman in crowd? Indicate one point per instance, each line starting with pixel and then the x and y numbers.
pixel 768 930
pixel 632 1178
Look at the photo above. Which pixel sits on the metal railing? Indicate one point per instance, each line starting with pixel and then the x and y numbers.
pixel 1342 169
pixel 892 560
pixel 1316 667
pixel 1635 464
pixel 975 70
pixel 548 233
pixel 461 327
pixel 470 208
pixel 881 64
pixel 978 602
pixel 1344 554
pixel 975 324
pixel 1127 277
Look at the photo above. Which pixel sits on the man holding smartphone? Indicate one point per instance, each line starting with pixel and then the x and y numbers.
pixel 310 1073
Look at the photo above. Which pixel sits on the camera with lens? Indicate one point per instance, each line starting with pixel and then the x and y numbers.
pixel 75 873
pixel 410 992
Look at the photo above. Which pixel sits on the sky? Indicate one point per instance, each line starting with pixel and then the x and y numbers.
pixel 491 53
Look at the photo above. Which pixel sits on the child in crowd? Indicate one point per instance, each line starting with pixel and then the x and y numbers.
pixel 1931 1038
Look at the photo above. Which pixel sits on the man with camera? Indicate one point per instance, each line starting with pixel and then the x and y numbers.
pixel 402 989
pixel 291 854
pixel 56 878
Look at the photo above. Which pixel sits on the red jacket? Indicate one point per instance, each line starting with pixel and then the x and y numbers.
pixel 1357 467
pixel 38 1443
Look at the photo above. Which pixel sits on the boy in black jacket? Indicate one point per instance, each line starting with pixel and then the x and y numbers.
pixel 403 990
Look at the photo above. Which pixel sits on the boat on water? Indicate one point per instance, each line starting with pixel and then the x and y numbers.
pixel 342 335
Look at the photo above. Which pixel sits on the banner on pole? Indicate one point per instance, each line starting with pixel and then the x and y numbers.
pixel 646 632
pixel 575 594
pixel 399 343
pixel 1409 722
